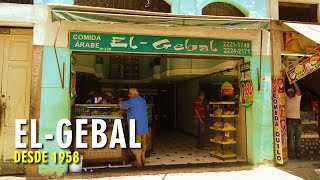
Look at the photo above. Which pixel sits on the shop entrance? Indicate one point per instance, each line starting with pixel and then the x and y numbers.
pixel 169 84
pixel 304 70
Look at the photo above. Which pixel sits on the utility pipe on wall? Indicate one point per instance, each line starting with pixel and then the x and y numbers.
pixel 57 59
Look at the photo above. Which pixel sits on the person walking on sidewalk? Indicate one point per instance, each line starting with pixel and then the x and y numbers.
pixel 199 110
pixel 293 99
pixel 137 109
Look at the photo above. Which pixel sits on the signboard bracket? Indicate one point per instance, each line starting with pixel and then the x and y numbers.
pixel 259 80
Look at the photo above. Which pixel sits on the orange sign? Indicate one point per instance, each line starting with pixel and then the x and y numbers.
pixel 227 89
pixel 304 68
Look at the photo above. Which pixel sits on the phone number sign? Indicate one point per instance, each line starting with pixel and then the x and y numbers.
pixel 103 42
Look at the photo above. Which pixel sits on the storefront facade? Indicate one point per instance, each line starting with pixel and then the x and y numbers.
pixel 51 40
pixel 294 45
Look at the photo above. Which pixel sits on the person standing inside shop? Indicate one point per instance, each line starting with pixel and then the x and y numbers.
pixel 137 109
pixel 91 97
pixel 199 110
pixel 107 98
pixel 293 100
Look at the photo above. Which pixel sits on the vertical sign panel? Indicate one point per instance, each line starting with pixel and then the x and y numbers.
pixel 279 120
pixel 246 86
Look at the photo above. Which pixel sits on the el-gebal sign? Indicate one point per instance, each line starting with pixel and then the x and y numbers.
pixel 104 42
pixel 31 152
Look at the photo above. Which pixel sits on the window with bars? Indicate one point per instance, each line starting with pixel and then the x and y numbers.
pixel 140 5
pixel 124 67
pixel 17 1
pixel 222 9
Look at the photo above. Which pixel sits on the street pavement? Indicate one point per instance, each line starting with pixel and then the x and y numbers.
pixel 293 169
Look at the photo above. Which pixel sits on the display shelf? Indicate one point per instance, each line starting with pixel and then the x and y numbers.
pixel 223 142
pixel 222 129
pixel 223 112
pixel 310 136
pixel 99 111
pixel 308 122
pixel 222 154
pixel 108 112
pixel 104 106
pixel 99 117
pixel 224 116
pixel 222 102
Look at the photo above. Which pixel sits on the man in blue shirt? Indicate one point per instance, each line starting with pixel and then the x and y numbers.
pixel 137 109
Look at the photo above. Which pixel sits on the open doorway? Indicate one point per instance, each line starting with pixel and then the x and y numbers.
pixel 169 84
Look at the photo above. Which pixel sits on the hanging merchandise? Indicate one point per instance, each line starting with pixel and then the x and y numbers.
pixel 246 86
pixel 279 120
pixel 73 77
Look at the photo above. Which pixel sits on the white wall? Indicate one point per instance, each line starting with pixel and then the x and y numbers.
pixel 25 15
pixel 16 15
pixel 273 9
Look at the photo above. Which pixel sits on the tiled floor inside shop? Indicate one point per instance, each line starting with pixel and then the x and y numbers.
pixel 178 148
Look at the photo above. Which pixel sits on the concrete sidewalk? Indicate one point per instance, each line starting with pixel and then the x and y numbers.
pixel 293 169
pixel 306 169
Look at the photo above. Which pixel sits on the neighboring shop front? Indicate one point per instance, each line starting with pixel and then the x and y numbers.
pixel 80 40
pixel 300 62
pixel 18 79
pixel 15 87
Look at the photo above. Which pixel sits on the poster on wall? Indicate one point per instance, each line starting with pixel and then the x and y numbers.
pixel 294 42
pixel 304 68
pixel 246 87
pixel 73 77
pixel 227 89
pixel 279 121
